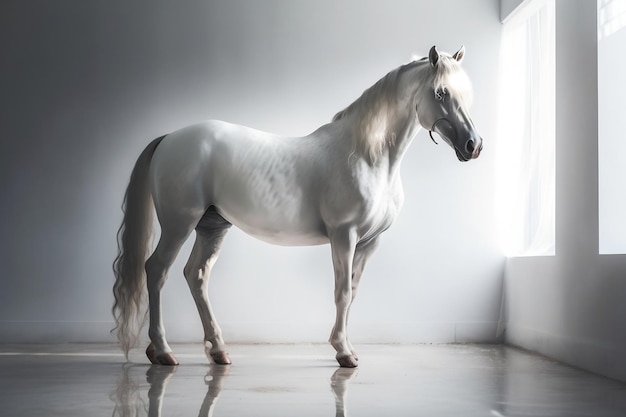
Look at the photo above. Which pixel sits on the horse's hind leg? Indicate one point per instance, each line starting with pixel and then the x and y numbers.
pixel 157 267
pixel 210 234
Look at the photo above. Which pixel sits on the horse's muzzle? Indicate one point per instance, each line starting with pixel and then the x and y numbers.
pixel 474 147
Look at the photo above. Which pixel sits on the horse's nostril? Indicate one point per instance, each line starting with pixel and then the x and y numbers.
pixel 469 146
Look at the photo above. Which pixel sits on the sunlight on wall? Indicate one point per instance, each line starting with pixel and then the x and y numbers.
pixel 525 168
pixel 611 17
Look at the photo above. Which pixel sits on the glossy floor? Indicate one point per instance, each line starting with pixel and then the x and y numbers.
pixel 301 380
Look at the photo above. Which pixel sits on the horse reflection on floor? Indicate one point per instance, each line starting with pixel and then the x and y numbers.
pixel 129 401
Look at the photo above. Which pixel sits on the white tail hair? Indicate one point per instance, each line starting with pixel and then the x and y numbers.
pixel 134 238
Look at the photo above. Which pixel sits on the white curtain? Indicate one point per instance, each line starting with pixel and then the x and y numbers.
pixel 526 134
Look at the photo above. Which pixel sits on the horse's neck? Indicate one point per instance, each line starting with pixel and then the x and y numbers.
pixel 404 132
pixel 406 123
pixel 399 117
pixel 383 121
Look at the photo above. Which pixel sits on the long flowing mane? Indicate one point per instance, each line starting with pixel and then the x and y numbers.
pixel 375 108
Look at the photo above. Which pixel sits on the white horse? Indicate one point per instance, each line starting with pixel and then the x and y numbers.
pixel 339 185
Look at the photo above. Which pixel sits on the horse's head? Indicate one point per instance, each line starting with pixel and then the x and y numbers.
pixel 443 107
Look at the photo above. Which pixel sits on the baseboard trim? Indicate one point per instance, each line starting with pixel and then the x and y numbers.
pixel 590 355
pixel 258 332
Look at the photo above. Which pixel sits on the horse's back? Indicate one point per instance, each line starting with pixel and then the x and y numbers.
pixel 267 185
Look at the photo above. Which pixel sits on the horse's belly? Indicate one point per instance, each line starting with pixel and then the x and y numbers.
pixel 288 238
pixel 277 225
pixel 285 235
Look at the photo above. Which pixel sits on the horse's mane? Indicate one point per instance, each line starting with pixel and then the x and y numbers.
pixel 374 108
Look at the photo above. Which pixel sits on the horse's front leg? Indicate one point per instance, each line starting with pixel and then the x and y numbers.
pixel 362 253
pixel 343 244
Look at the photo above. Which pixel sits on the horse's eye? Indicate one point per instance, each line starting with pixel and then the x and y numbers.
pixel 440 94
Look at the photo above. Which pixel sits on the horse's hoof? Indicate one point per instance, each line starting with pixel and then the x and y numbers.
pixel 167 359
pixel 347 361
pixel 220 358
pixel 163 359
pixel 151 353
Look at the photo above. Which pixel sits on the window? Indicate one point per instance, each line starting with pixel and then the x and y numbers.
pixel 611 139
pixel 525 162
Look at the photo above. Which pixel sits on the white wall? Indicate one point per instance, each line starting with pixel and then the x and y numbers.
pixel 86 85
pixel 508 6
pixel 611 143
pixel 571 306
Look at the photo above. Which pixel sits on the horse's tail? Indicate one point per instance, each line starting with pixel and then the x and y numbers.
pixel 134 239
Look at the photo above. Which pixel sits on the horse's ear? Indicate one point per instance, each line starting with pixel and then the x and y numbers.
pixel 433 56
pixel 459 54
